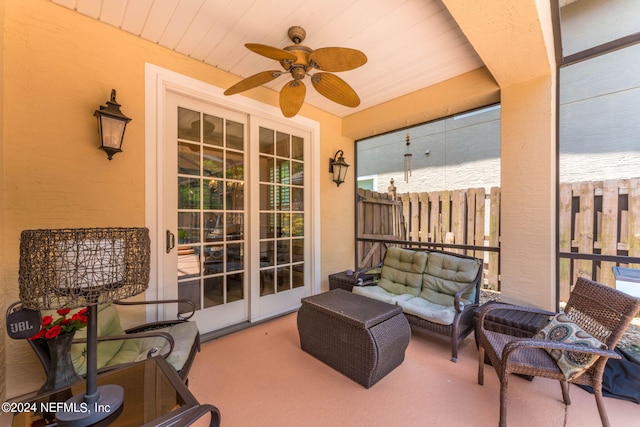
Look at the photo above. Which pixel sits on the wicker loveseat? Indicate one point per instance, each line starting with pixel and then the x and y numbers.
pixel 438 291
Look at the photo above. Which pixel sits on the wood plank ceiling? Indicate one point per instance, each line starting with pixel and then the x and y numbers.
pixel 410 44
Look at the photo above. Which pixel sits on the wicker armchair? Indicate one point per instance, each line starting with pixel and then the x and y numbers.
pixel 178 341
pixel 601 311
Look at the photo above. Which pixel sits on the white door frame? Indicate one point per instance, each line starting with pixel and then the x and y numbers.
pixel 158 81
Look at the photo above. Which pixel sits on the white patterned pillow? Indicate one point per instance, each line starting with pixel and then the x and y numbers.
pixel 571 363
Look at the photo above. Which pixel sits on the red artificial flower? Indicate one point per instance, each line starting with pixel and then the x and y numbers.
pixel 51 327
pixel 47 320
pixel 40 334
pixel 79 317
pixel 53 332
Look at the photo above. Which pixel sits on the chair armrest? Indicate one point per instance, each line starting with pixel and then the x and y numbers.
pixel 486 309
pixel 152 326
pixel 457 300
pixel 197 413
pixel 559 345
pixel 166 301
pixel 138 335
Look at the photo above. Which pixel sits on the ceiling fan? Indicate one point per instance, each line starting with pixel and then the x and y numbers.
pixel 298 60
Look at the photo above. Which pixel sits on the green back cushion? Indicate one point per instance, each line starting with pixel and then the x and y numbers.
pixel 108 324
pixel 402 271
pixel 446 275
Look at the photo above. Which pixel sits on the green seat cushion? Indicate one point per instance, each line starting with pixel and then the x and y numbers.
pixel 402 271
pixel 436 313
pixel 183 333
pixel 111 353
pixel 379 293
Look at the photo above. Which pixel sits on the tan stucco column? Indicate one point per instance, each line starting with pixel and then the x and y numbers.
pixel 514 38
pixel 528 181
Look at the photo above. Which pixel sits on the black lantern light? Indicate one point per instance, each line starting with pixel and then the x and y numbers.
pixel 338 167
pixel 111 125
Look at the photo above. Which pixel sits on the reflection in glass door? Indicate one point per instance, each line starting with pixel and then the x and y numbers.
pixel 210 209
pixel 241 233
pixel 282 221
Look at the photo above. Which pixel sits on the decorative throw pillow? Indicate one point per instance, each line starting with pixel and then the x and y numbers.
pixel 571 363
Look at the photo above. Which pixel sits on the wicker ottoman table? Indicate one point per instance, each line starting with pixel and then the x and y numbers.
pixel 363 338
pixel 518 324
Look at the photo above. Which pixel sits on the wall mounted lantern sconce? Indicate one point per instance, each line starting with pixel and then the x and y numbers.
pixel 111 126
pixel 338 167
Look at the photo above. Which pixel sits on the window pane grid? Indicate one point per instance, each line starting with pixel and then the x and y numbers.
pixel 210 208
pixel 281 177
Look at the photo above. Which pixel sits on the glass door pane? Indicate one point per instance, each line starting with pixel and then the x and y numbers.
pixel 281 175
pixel 211 179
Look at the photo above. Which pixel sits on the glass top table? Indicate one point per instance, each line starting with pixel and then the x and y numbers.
pixel 154 395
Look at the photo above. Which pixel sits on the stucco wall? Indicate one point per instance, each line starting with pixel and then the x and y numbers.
pixel 527 224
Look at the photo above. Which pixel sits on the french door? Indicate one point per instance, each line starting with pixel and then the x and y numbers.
pixel 280 224
pixel 234 205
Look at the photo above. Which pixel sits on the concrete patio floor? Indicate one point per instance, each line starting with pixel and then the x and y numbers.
pixel 261 377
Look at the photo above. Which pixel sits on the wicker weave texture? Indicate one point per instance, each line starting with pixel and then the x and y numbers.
pixel 601 311
pixel 69 268
pixel 341 281
pixel 364 355
pixel 463 322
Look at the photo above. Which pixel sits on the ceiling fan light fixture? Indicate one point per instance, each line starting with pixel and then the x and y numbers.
pixel 298 72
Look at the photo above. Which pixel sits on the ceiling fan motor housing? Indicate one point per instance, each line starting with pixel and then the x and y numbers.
pixel 299 67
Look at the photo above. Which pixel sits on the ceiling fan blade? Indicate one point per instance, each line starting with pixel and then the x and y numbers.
pixel 336 59
pixel 336 89
pixel 292 97
pixel 253 81
pixel 271 52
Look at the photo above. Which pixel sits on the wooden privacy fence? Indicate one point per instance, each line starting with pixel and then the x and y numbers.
pixel 595 217
pixel 601 218
pixel 457 217
pixel 380 218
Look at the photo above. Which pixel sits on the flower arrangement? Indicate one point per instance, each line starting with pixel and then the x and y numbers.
pixel 62 325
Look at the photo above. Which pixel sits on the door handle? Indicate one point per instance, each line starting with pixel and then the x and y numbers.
pixel 170 241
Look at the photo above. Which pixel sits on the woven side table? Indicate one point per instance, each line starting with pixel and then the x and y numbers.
pixel 342 280
pixel 518 324
pixel 363 338
pixel 345 281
